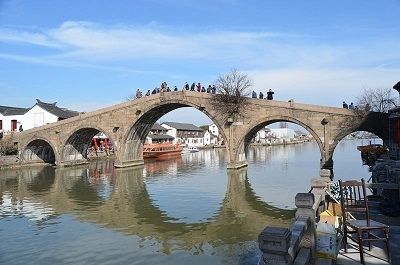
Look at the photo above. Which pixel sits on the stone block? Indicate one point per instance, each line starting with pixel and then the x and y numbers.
pixel 325 173
pixel 304 200
pixel 274 240
pixel 274 259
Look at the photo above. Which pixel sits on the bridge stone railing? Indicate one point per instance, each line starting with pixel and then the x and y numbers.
pixel 296 245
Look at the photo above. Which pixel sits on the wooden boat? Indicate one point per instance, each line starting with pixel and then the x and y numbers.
pixel 377 149
pixel 370 153
pixel 163 150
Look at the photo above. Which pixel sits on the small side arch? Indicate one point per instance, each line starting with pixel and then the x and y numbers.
pixel 342 135
pixel 75 148
pixel 38 150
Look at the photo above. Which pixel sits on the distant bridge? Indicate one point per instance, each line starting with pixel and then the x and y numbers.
pixel 127 125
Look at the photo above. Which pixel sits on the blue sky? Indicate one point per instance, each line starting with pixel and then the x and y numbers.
pixel 91 54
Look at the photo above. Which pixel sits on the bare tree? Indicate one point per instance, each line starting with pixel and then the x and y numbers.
pixel 232 91
pixel 378 100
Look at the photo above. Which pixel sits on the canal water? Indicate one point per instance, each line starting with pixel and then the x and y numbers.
pixel 188 210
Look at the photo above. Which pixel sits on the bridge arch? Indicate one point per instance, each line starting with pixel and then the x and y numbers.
pixel 38 150
pixel 135 136
pixel 343 134
pixel 75 148
pixel 261 123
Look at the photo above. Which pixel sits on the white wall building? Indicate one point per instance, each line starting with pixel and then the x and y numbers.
pixel 282 133
pixel 213 129
pixel 158 134
pixel 266 134
pixel 12 118
pixel 185 133
pixel 209 138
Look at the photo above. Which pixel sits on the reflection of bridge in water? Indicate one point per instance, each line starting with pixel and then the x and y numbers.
pixel 125 204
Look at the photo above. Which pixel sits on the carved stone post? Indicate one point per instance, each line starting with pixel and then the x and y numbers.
pixel 274 243
pixel 305 203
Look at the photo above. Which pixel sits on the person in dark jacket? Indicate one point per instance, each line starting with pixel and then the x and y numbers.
pixel 270 94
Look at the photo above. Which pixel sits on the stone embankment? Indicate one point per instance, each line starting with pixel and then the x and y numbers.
pixel 274 142
pixel 9 161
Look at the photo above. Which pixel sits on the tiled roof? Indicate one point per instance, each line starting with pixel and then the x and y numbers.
pixel 7 111
pixel 183 126
pixel 158 127
pixel 160 136
pixel 57 111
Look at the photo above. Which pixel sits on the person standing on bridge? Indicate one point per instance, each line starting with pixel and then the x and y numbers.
pixel 186 87
pixel 198 87
pixel 193 86
pixel 270 94
pixel 345 106
pixel 148 93
pixel 261 95
pixel 254 94
pixel 138 93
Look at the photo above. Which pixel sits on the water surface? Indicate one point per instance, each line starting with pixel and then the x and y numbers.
pixel 187 210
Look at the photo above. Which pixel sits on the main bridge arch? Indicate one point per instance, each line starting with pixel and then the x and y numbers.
pixel 131 149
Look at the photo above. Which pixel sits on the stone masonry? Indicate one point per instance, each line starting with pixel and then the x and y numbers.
pixel 127 125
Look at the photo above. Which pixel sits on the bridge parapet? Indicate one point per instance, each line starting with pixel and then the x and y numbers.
pixel 297 244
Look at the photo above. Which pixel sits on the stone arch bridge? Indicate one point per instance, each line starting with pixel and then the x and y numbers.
pixel 127 125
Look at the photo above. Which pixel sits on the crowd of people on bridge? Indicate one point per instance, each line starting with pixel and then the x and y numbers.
pixel 195 86
pixel 165 88
pixel 270 95
pixel 351 106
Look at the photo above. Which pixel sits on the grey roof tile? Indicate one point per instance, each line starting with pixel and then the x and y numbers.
pixel 183 126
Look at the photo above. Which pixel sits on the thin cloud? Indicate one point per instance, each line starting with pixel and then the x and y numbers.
pixel 97 42
pixel 84 44
pixel 72 64
pixel 27 38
